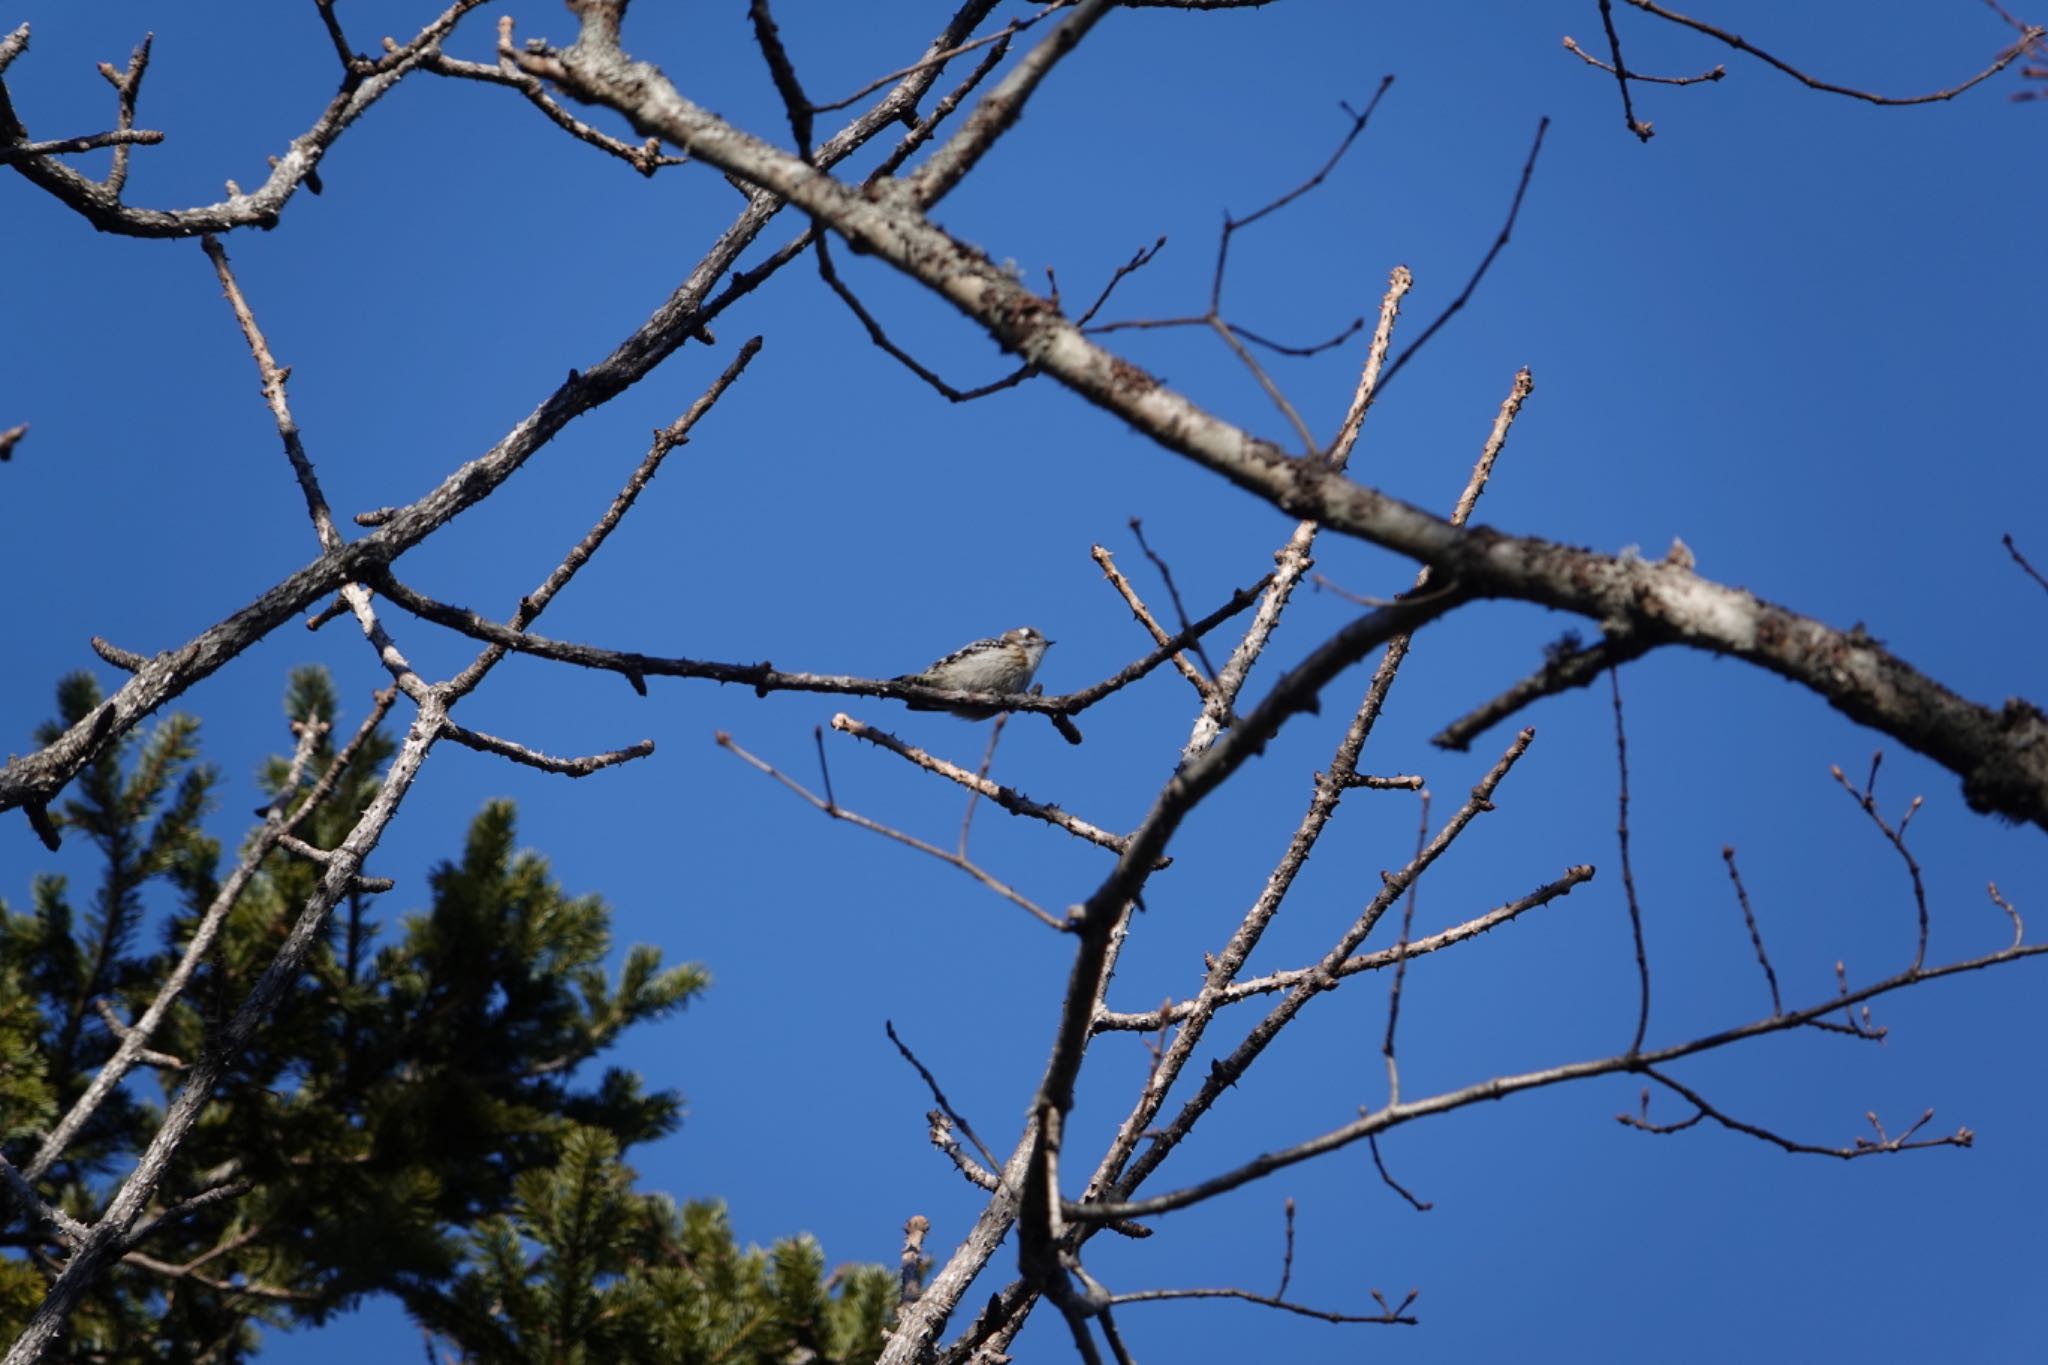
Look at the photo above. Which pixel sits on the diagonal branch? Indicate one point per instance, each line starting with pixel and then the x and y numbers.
pixel 831 808
pixel 1008 798
pixel 1500 1087
pixel 2002 756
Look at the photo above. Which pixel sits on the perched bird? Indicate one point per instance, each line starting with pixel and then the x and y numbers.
pixel 1004 663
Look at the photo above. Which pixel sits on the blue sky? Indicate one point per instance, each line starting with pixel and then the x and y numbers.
pixel 1802 333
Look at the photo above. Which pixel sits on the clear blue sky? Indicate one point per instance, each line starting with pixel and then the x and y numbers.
pixel 1802 333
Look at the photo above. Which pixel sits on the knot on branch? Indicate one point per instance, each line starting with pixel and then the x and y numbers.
pixel 2012 781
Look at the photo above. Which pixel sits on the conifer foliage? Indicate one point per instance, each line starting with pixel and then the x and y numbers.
pixel 424 1115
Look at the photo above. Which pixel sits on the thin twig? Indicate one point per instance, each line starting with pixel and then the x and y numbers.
pixel 1401 959
pixel 1756 937
pixel 1718 73
pixel 1266 382
pixel 667 439
pixel 1122 584
pixel 830 274
pixel 644 157
pixel 1008 798
pixel 1904 1142
pixel 939 1096
pixel 1287 1256
pixel 837 812
pixel 974 788
pixel 274 378
pixel 1108 1020
pixel 1566 664
pixel 1359 118
pixel 1419 1205
pixel 1867 799
pixel 1180 611
pixel 2010 549
pixel 2004 59
pixel 1628 880
pixel 2019 927
pixel 127 90
pixel 1621 73
pixel 66 146
pixel 1485 262
pixel 1002 36
pixel 1390 1316
pixel 582 765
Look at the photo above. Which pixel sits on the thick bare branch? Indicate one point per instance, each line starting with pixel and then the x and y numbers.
pixel 2002 756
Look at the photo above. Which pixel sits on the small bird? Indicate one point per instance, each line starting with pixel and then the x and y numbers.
pixel 1004 663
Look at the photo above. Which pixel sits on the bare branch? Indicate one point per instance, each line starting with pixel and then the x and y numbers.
pixel 1295 557
pixel 675 434
pixel 2002 757
pixel 838 812
pixel 939 1096
pixel 1904 1142
pixel 765 678
pixel 1718 73
pixel 974 792
pixel 1867 799
pixel 65 146
pixel 1756 937
pixel 794 102
pixel 997 111
pixel 1499 1087
pixel 32 780
pixel 274 378
pixel 2003 60
pixel 582 766
pixel 1107 561
pixel 1008 798
pixel 1500 242
pixel 100 203
pixel 1359 118
pixel 1566 664
pixel 2010 548
pixel 2019 927
pixel 1325 975
pixel 1628 880
pixel 1303 1310
pixel 1419 1205
pixel 1108 1021
pixel 32 1205
pixel 1621 73
pixel 121 658
pixel 646 157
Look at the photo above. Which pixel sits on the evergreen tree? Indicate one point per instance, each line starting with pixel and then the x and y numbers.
pixel 584 1270
pixel 407 1121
